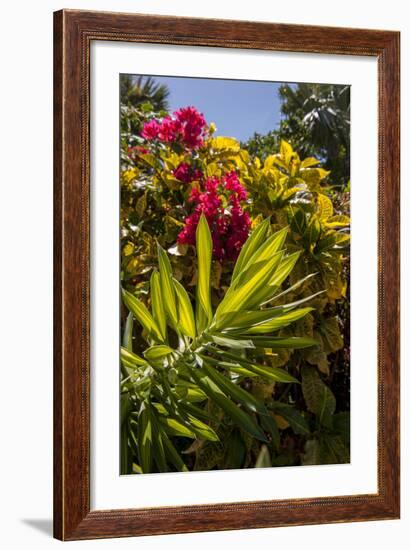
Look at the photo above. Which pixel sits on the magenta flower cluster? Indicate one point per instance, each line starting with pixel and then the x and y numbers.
pixel 220 202
pixel 186 126
pixel 185 173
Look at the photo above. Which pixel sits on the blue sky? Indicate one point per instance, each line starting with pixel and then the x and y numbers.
pixel 237 107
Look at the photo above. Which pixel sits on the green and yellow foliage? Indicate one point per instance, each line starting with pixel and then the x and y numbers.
pixel 231 364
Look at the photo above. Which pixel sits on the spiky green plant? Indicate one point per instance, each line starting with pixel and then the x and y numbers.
pixel 202 357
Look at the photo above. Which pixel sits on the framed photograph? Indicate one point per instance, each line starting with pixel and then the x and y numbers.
pixel 226 288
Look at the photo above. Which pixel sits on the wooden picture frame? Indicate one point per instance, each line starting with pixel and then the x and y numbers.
pixel 74 32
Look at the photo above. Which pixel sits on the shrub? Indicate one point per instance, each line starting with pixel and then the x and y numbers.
pixel 174 174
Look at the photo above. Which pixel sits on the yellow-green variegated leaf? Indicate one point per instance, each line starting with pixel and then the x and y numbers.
pixel 268 248
pixel 284 269
pixel 279 322
pixel 131 360
pixel 174 427
pixel 235 392
pixel 202 430
pixel 145 438
pixel 242 419
pixel 325 207
pixel 157 304
pixel 127 336
pixel 204 255
pixel 244 296
pixel 263 321
pixel 271 373
pixel 257 294
pixel 185 311
pixel 309 162
pixel 141 313
pixel 286 151
pixel 167 286
pixel 155 353
pixel 254 241
pixel 338 221
pixel 278 342
pixel 252 270
pixel 222 143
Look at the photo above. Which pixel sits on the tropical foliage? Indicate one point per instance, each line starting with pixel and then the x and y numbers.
pixel 316 121
pixel 235 324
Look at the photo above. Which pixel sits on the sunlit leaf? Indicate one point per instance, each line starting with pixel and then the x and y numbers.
pixel 185 311
pixel 141 313
pixel 204 255
pixel 167 286
pixel 158 310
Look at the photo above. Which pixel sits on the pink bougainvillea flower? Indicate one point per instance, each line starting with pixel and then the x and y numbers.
pixel 184 172
pixel 150 130
pixel 193 126
pixel 186 126
pixel 233 184
pixel 229 225
pixel 170 130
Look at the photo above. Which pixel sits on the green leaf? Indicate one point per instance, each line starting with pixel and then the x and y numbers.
pixel 312 454
pixel 271 373
pixel 242 419
pixel 173 455
pixel 131 360
pixel 333 450
pixel 264 459
pixel 318 397
pixel 234 391
pixel 270 426
pixel 285 267
pixel 202 430
pixel 253 269
pixel 338 221
pixel 286 151
pixel 145 438
pixel 308 162
pixel 158 311
pixel 142 315
pixel 127 337
pixel 254 241
pixel 330 332
pixel 167 286
pixel 185 311
pixel 222 143
pixel 279 322
pixel 298 221
pixel 194 410
pixel 325 207
pixel 174 427
pixel 312 233
pixel 231 343
pixel 190 393
pixel 244 297
pixel 155 353
pixel 204 255
pixel 296 421
pixel 125 407
pixel 158 446
pixel 274 342
pixel 235 451
pixel 292 288
pixel 270 247
pixel 263 321
pixel 292 305
pixel 125 464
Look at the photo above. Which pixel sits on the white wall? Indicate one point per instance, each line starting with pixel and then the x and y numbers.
pixel 26 269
